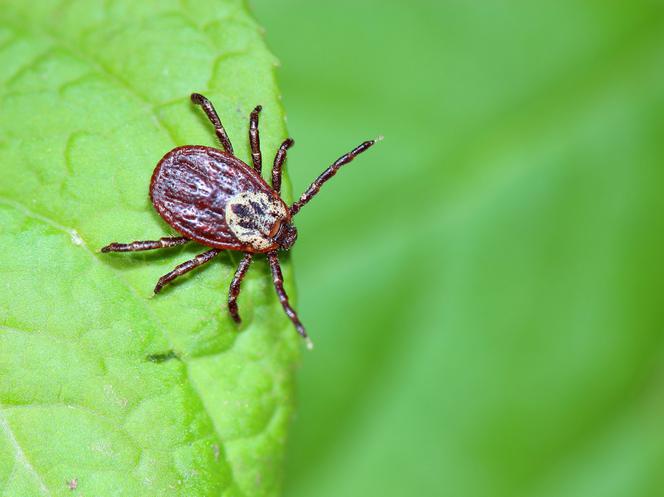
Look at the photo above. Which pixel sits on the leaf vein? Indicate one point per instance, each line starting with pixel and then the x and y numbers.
pixel 29 213
pixel 19 454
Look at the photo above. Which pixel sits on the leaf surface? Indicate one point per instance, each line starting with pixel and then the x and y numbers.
pixel 497 328
pixel 99 383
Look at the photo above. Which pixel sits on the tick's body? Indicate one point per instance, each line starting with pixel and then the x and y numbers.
pixel 212 197
pixel 217 200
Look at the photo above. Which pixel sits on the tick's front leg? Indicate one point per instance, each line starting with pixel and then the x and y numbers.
pixel 328 173
pixel 278 280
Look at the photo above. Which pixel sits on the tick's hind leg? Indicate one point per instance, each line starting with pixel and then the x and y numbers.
pixel 212 115
pixel 167 241
pixel 234 290
pixel 278 281
pixel 185 267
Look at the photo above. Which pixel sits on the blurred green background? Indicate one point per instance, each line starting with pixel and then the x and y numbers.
pixel 484 286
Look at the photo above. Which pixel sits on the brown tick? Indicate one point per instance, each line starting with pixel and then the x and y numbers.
pixel 213 198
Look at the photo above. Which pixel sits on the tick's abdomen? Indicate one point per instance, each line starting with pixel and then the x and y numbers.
pixel 191 188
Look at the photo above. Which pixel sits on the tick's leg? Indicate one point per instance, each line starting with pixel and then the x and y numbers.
pixel 254 139
pixel 167 241
pixel 327 174
pixel 279 160
pixel 235 286
pixel 185 267
pixel 278 280
pixel 207 106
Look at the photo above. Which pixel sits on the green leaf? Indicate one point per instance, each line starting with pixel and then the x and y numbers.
pixel 497 262
pixel 99 383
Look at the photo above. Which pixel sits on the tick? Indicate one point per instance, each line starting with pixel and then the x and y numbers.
pixel 210 196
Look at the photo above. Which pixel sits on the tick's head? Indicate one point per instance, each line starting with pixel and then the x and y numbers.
pixel 286 236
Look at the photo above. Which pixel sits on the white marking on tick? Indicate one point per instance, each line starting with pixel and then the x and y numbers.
pixel 252 217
